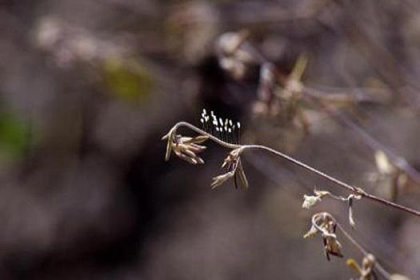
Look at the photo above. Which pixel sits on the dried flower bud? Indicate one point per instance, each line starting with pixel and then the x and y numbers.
pixel 219 180
pixel 185 148
pixel 325 224
pixel 332 247
pixel 234 168
pixel 310 200
pixel 351 218
pixel 242 177
pixel 311 232
pixel 170 138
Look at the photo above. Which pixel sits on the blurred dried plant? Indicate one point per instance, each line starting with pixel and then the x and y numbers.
pixel 389 179
pixel 285 98
pixel 233 58
pixel 234 170
pixel 185 148
pixel 365 271
pixel 325 224
pixel 322 223
pixel 311 200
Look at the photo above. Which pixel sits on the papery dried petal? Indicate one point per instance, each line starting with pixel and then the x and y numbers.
pixel 168 151
pixel 185 157
pixel 197 148
pixel 219 180
pixel 333 247
pixel 241 174
pixel 310 200
pixel 187 151
pixel 169 144
pixel 197 140
pixel 311 232
pixel 351 219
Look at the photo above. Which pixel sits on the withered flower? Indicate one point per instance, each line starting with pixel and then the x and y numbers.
pixel 325 224
pixel 234 169
pixel 332 246
pixel 185 148
pixel 311 200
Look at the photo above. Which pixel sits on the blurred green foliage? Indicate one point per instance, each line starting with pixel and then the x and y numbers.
pixel 128 80
pixel 14 136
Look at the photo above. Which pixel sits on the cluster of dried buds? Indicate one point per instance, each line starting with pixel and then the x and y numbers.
pixel 185 148
pixel 310 201
pixel 325 224
pixel 234 170
pixel 365 271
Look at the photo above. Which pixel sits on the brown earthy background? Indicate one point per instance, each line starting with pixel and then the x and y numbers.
pixel 88 88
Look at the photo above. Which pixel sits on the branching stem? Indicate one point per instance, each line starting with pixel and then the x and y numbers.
pixel 352 189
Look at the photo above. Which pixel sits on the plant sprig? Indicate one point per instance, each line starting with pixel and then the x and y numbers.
pixel 176 147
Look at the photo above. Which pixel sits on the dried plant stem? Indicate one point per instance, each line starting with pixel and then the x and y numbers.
pixel 338 182
pixel 378 266
pixel 352 189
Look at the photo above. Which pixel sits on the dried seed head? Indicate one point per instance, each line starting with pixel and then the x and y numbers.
pixel 325 224
pixel 332 247
pixel 219 180
pixel 235 170
pixel 185 148
pixel 170 138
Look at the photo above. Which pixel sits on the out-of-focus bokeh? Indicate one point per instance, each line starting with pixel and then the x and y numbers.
pixel 89 87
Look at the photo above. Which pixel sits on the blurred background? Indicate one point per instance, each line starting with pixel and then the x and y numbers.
pixel 89 87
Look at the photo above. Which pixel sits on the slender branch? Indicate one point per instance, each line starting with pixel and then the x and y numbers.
pixel 355 190
pixel 338 182
pixel 352 240
pixel 303 165
pixel 378 266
